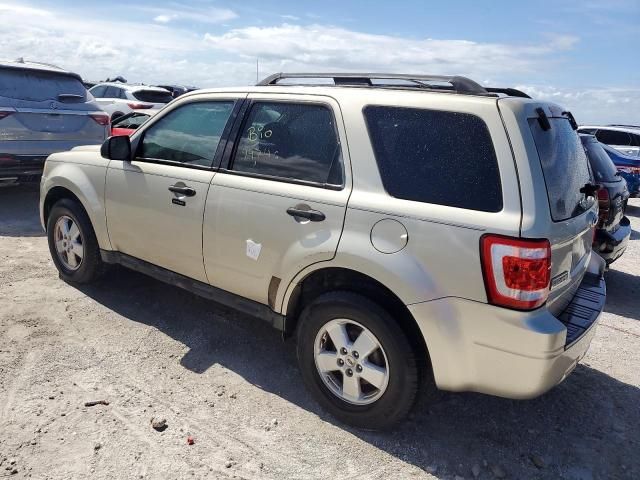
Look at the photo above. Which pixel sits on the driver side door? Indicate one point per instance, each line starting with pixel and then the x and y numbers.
pixel 155 203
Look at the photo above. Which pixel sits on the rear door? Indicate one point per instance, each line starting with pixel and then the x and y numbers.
pixel 565 171
pixel 278 204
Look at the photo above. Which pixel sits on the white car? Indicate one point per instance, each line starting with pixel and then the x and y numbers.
pixel 624 138
pixel 118 99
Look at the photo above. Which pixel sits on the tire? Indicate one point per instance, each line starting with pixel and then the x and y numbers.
pixel 89 266
pixel 385 406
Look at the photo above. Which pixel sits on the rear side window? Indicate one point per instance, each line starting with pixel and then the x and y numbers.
pixel 431 156
pixel 189 134
pixel 38 86
pixel 98 91
pixel 290 141
pixel 564 165
pixel 153 96
pixel 601 165
pixel 613 137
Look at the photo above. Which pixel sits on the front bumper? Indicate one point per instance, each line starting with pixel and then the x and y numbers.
pixel 611 246
pixel 479 347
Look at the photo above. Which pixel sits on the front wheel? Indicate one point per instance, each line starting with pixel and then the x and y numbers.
pixel 357 361
pixel 72 243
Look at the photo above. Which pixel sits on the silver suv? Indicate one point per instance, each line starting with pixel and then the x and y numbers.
pixel 409 230
pixel 43 109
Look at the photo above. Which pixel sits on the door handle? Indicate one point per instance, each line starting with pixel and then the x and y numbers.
pixel 182 190
pixel 313 215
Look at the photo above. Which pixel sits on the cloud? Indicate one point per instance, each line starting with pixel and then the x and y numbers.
pixel 180 12
pixel 592 105
pixel 328 47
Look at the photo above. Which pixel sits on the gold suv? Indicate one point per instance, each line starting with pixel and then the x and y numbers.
pixel 409 230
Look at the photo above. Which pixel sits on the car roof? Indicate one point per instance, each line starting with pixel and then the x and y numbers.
pixel 22 64
pixel 132 87
pixel 618 128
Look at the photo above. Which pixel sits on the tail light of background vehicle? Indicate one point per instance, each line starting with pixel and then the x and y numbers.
pixel 100 118
pixel 139 106
pixel 4 113
pixel 517 272
pixel 634 170
pixel 604 204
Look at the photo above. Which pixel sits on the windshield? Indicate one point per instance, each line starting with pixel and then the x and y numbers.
pixel 133 120
pixel 564 165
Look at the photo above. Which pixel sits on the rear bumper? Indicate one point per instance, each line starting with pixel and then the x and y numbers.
pixel 21 168
pixel 483 348
pixel 611 246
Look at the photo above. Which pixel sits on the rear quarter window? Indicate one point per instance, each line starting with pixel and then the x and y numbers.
pixel 38 86
pixel 431 156
pixel 601 165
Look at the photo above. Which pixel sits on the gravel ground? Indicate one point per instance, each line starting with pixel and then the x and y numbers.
pixel 152 350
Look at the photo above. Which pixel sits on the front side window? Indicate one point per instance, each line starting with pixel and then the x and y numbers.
pixel 432 156
pixel 290 141
pixel 189 134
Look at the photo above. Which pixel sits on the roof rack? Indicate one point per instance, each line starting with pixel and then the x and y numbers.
pixel 622 126
pixel 457 84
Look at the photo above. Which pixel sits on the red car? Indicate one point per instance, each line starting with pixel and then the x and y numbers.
pixel 127 124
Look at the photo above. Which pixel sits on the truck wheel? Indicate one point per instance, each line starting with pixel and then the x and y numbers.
pixel 72 243
pixel 357 361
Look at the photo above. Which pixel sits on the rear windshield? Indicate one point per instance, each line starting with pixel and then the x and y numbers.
pixel 431 156
pixel 38 86
pixel 601 165
pixel 153 96
pixel 564 165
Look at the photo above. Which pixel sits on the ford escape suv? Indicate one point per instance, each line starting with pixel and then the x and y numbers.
pixel 412 232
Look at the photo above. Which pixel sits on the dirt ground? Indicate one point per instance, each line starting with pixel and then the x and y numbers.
pixel 230 382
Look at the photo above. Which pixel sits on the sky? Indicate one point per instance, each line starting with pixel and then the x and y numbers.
pixel 584 55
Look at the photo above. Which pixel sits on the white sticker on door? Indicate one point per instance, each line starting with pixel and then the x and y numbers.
pixel 253 249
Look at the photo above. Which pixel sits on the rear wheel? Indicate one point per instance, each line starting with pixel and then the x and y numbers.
pixel 357 361
pixel 72 243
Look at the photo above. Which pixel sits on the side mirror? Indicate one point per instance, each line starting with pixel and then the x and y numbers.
pixel 117 148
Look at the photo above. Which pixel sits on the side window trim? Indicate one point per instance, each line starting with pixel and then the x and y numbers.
pixel 232 146
pixel 136 144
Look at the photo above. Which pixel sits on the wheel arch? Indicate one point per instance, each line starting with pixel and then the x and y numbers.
pixel 72 183
pixel 329 279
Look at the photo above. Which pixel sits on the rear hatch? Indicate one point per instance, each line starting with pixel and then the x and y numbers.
pixel 40 106
pixel 560 209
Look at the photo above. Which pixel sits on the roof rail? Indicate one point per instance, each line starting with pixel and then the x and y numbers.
pixel 458 84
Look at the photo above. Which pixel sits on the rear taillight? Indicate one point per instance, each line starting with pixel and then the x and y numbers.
pixel 604 203
pixel 517 272
pixel 140 106
pixel 100 118
pixel 4 113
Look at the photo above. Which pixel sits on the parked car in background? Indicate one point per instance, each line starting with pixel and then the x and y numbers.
pixel 177 90
pixel 117 98
pixel 628 166
pixel 127 124
pixel 624 138
pixel 614 228
pixel 43 109
pixel 450 242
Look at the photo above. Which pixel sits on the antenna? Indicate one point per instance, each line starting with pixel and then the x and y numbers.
pixel 257 69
